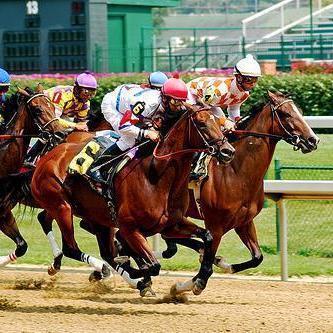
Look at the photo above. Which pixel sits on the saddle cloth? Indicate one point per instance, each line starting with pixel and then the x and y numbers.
pixel 81 163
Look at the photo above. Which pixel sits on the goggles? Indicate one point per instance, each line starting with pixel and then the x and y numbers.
pixel 87 93
pixel 249 79
pixel 175 102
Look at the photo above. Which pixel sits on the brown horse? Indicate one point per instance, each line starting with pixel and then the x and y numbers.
pixel 95 124
pixel 33 116
pixel 18 184
pixel 151 196
pixel 233 194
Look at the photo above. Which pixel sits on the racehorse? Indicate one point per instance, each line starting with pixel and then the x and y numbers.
pixel 34 116
pixel 151 195
pixel 16 188
pixel 233 194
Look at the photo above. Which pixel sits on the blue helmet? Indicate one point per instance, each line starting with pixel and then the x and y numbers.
pixel 4 78
pixel 157 79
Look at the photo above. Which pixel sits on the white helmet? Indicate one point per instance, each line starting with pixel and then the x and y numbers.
pixel 248 66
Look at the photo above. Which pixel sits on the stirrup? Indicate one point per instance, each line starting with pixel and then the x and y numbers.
pixel 96 176
pixel 196 175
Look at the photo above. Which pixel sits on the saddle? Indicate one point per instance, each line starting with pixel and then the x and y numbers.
pixel 82 163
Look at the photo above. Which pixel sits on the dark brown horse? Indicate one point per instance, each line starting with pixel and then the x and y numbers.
pixel 16 187
pixel 33 116
pixel 95 124
pixel 233 194
pixel 151 196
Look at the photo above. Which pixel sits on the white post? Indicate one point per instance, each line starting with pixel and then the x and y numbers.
pixel 156 242
pixel 154 52
pixel 283 239
pixel 282 17
pixel 244 29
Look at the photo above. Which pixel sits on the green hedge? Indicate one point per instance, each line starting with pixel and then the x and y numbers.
pixel 312 93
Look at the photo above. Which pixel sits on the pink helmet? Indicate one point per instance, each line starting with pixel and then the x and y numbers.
pixel 175 88
pixel 86 80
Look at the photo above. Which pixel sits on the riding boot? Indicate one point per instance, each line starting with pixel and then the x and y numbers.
pixel 34 153
pixel 101 169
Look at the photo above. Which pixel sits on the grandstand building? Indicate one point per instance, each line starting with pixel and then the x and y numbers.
pixel 39 36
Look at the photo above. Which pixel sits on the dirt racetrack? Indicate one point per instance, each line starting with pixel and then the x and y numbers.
pixel 33 302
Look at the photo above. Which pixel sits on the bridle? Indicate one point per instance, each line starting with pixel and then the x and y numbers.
pixel 211 147
pixel 288 137
pixel 43 133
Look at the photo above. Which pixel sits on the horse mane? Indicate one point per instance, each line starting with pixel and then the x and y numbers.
pixel 244 122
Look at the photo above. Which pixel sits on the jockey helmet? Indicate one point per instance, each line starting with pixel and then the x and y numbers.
pixel 85 87
pixel 175 89
pixel 157 79
pixel 248 66
pixel 4 78
pixel 86 80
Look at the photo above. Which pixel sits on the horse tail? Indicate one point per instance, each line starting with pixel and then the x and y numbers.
pixel 16 188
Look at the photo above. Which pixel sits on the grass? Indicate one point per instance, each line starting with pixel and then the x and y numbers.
pixel 310 241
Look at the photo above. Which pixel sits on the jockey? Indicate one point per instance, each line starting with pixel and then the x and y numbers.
pixel 130 110
pixel 74 101
pixel 155 81
pixel 226 93
pixel 4 87
pixel 70 102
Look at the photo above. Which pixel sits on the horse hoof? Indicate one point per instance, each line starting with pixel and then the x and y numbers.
pixel 147 292
pixel 57 261
pixel 199 286
pixel 106 272
pixel 221 263
pixel 52 271
pixel 95 276
pixel 173 290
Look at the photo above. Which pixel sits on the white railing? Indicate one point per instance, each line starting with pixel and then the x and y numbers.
pixel 319 121
pixel 293 24
pixel 288 13
pixel 280 190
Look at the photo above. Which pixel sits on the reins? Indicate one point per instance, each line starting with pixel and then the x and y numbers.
pixel 41 128
pixel 290 138
pixel 209 149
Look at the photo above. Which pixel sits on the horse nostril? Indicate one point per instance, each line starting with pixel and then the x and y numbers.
pixel 313 141
pixel 228 152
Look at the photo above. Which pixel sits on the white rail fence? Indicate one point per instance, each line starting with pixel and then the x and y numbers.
pixel 289 13
pixel 281 190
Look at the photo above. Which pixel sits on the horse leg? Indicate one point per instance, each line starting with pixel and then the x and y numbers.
pixel 172 249
pixel 9 227
pixel 129 274
pixel 197 246
pixel 188 229
pixel 247 233
pixel 149 266
pixel 64 217
pixel 45 220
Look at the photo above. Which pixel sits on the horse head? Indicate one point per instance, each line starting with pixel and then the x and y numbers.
pixel 208 129
pixel 40 110
pixel 289 122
